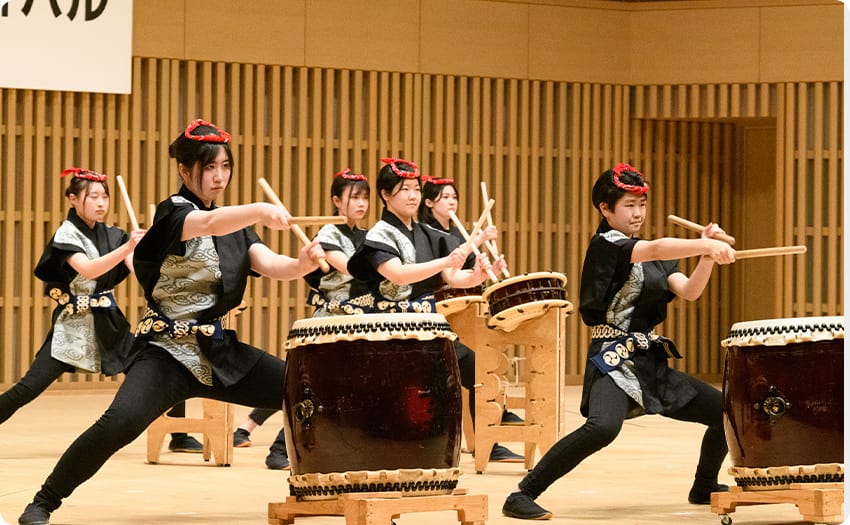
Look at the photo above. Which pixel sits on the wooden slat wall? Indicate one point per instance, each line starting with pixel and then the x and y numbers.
pixel 538 146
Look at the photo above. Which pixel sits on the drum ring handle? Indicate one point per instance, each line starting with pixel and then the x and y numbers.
pixel 304 410
pixel 773 404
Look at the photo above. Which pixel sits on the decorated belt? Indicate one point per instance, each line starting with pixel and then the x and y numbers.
pixel 153 323
pixel 619 345
pixel 82 303
pixel 351 306
pixel 369 304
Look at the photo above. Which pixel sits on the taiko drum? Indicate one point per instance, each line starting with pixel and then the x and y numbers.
pixel 372 403
pixel 783 393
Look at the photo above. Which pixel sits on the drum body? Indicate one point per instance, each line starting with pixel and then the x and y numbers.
pixel 783 392
pixel 452 300
pixel 372 403
pixel 524 297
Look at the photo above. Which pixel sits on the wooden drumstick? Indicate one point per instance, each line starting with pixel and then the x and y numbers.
pixel 296 229
pixel 127 203
pixel 466 236
pixel 491 245
pixel 767 252
pixel 317 219
pixel 151 214
pixel 688 225
pixel 476 228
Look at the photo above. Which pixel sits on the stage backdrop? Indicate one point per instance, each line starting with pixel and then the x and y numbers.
pixel 66 45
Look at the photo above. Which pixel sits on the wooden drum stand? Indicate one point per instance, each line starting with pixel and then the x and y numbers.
pixel 379 508
pixel 818 503
pixel 545 348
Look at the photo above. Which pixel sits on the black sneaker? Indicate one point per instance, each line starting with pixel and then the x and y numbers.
pixel 241 438
pixel 277 458
pixel 502 454
pixel 702 496
pixel 35 514
pixel 185 443
pixel 518 505
pixel 509 418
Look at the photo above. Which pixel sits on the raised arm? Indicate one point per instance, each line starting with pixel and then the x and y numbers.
pixel 711 251
pixel 94 268
pixel 228 219
pixel 276 266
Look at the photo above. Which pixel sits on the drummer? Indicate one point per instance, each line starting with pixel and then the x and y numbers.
pixel 401 261
pixel 439 201
pixel 626 284
pixel 329 292
pixel 193 264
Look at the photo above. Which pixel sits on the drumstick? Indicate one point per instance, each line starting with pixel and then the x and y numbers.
pixel 466 236
pixel 476 228
pixel 491 245
pixel 767 252
pixel 688 225
pixel 127 203
pixel 323 264
pixel 317 219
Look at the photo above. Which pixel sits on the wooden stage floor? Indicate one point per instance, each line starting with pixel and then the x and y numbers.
pixel 641 479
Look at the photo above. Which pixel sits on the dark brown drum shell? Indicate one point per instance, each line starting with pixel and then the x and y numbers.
pixel 524 292
pixel 372 405
pixel 802 384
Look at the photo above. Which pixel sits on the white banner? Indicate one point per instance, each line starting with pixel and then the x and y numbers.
pixel 67 45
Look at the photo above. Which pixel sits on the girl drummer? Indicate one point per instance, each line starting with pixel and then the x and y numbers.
pixel 439 201
pixel 193 266
pixel 626 284
pixel 81 265
pixel 402 261
pixel 330 291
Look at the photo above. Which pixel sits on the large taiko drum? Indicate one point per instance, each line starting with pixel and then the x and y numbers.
pixel 783 401
pixel 523 297
pixel 452 300
pixel 372 403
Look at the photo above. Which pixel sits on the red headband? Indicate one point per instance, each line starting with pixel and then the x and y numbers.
pixel 222 137
pixel 392 161
pixel 439 182
pixel 82 173
pixel 347 174
pixel 643 189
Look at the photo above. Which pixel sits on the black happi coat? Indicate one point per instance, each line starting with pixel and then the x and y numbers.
pixel 607 269
pixel 230 359
pixel 429 244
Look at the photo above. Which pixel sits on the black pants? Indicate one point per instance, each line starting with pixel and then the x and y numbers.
pixel 154 383
pixel 608 406
pixel 466 363
pixel 260 415
pixel 44 370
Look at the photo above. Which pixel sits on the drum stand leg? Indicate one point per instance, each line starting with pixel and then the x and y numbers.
pixel 216 425
pixel 544 346
pixel 379 508
pixel 817 502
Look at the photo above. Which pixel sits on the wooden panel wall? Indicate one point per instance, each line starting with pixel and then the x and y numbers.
pixel 538 145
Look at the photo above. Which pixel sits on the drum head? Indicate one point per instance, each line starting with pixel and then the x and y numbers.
pixel 779 332
pixel 524 297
